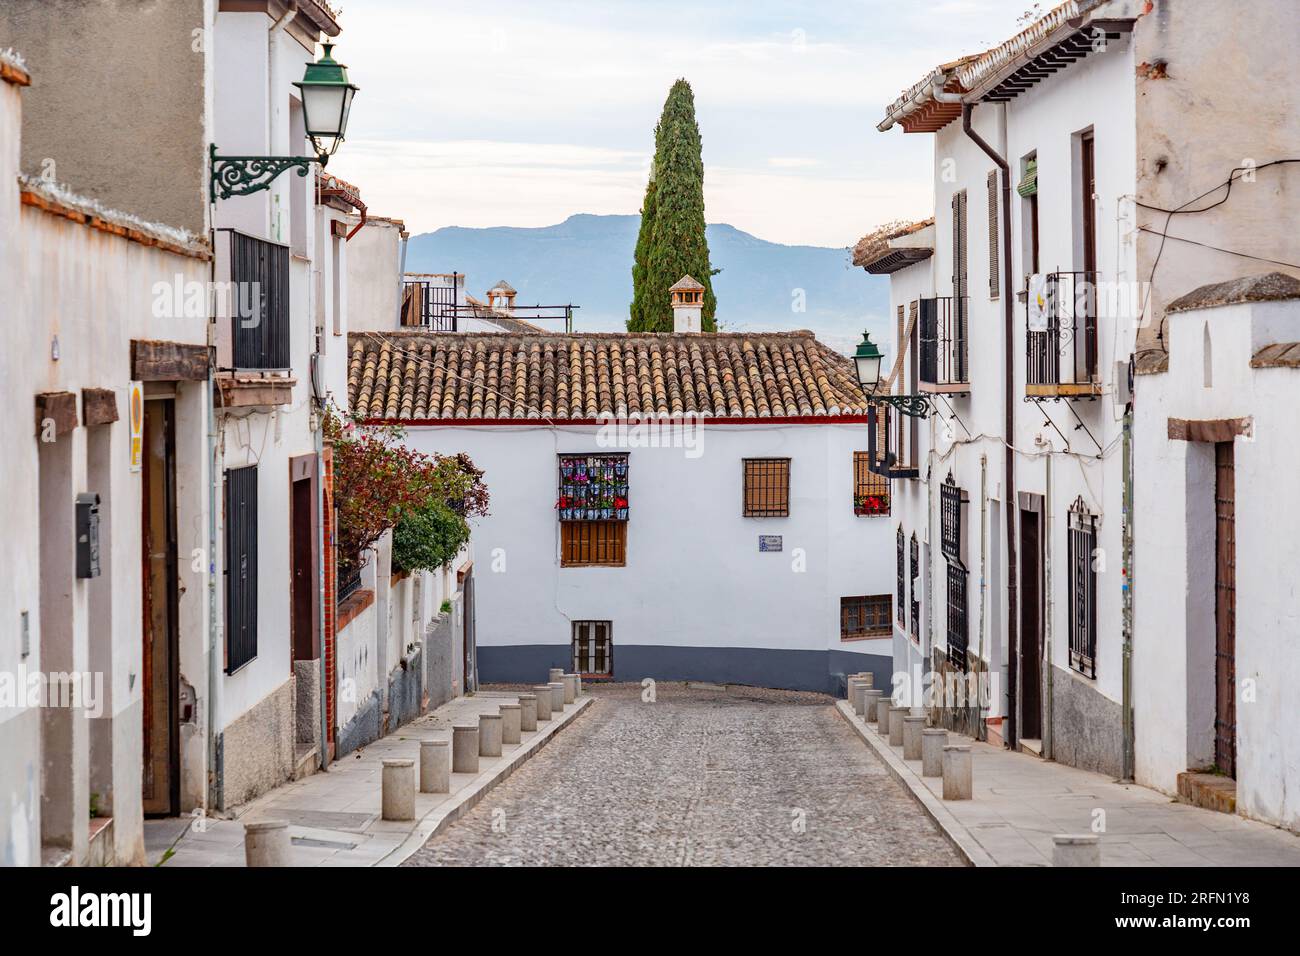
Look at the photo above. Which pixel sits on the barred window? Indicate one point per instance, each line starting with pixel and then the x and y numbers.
pixel 1083 589
pixel 901 604
pixel 865 616
pixel 766 487
pixel 870 490
pixel 593 650
pixel 951 500
pixel 916 598
pixel 593 543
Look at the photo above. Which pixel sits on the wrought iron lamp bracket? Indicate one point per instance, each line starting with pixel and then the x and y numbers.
pixel 913 406
pixel 242 175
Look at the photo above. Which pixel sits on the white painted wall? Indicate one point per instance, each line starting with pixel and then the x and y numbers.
pixel 1174 574
pixel 694 575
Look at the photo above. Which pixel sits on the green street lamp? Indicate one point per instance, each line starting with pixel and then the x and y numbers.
pixel 867 359
pixel 326 102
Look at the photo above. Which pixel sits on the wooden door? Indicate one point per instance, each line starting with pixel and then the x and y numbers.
pixel 1031 625
pixel 303 570
pixel 1225 610
pixel 161 771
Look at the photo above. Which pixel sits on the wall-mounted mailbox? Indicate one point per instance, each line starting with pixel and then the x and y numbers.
pixel 88 535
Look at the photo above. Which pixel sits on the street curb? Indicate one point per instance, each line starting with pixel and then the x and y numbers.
pixel 443 815
pixel 957 835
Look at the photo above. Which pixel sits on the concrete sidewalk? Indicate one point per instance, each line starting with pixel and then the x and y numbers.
pixel 334 817
pixel 1020 802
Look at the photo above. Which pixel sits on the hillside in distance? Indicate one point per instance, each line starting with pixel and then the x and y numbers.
pixel 587 261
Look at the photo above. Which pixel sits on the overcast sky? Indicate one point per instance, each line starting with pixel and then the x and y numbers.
pixel 523 112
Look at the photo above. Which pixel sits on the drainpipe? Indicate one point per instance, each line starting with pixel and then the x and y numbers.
pixel 214 475
pixel 984 518
pixel 1009 492
pixel 1048 610
pixel 401 274
pixel 1129 766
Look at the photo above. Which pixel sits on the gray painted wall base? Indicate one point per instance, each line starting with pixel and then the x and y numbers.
pixel 1087 726
pixel 363 728
pixel 822 671
pixel 406 692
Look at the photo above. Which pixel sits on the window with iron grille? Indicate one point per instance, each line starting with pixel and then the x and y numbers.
pixel 916 598
pixel 593 648
pixel 1083 589
pixel 870 490
pixel 241 567
pixel 865 616
pixel 592 488
pixel 593 544
pixel 259 307
pixel 951 500
pixel 901 603
pixel 767 487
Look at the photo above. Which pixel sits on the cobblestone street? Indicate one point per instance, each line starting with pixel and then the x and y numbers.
pixel 699 777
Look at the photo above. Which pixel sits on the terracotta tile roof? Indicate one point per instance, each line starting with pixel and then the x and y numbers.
pixel 1277 355
pixel 491 375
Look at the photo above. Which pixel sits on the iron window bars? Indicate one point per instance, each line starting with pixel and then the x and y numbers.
pixel 259 303
pixel 916 598
pixel 430 305
pixel 593 648
pixel 1064 350
pixel 870 489
pixel 864 615
pixel 1083 589
pixel 902 580
pixel 951 500
pixel 592 488
pixel 766 487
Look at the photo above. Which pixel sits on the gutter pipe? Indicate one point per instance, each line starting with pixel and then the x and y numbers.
pixel 1009 492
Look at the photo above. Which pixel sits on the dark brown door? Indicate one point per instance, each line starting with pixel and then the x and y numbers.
pixel 161 784
pixel 302 534
pixel 1225 610
pixel 1031 626
pixel 1088 187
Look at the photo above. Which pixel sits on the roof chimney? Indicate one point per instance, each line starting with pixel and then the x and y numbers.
pixel 688 304
pixel 501 296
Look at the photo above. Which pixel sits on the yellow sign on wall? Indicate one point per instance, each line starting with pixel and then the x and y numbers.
pixel 135 403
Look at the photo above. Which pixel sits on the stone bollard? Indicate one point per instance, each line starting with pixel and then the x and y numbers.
pixel 933 740
pixel 1075 849
pixel 912 727
pixel 398 783
pixel 528 712
pixel 896 715
pixel 464 748
pixel 570 688
pixel 557 673
pixel 543 694
pixel 851 694
pixel 511 723
pixel 859 698
pixel 267 844
pixel 883 707
pixel 435 766
pixel 956 772
pixel 557 696
pixel 578 684
pixel 870 698
pixel 489 735
pixel 869 678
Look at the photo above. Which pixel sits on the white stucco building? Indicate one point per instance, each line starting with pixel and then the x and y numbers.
pixel 728 550
pixel 1032 315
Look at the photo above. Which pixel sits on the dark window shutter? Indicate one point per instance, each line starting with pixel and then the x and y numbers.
pixel 241 567
pixel 993 234
pixel 959 286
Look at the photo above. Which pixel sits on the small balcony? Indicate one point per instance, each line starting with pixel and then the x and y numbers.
pixel 943 346
pixel 891 443
pixel 1061 336
pixel 429 302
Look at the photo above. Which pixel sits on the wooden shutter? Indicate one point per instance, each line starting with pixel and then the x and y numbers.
pixel 241 567
pixel 993 234
pixel 586 543
pixel 959 259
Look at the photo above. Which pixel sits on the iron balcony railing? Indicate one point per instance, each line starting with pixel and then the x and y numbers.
pixel 1061 331
pixel 259 326
pixel 429 305
pixel 943 340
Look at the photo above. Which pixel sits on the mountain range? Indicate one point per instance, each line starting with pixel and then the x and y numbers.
pixel 587 261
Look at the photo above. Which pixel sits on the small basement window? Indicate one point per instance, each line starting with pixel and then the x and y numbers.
pixel 767 487
pixel 865 616
pixel 593 648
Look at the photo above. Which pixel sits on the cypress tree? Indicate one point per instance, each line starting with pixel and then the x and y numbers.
pixel 672 241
